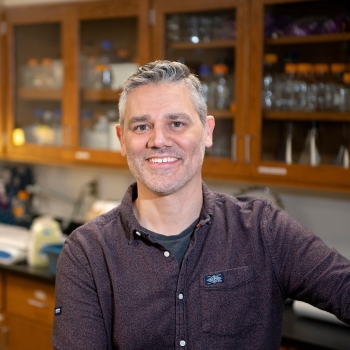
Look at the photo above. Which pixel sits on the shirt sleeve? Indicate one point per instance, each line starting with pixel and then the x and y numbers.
pixel 78 320
pixel 305 267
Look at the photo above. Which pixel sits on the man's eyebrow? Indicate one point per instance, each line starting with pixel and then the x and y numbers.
pixel 177 116
pixel 138 119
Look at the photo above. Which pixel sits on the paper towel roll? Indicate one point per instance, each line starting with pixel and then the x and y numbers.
pixel 306 310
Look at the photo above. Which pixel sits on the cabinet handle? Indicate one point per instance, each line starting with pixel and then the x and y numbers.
pixel 234 147
pixel 4 330
pixel 247 148
pixel 36 303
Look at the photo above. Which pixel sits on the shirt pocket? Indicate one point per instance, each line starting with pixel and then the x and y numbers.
pixel 229 301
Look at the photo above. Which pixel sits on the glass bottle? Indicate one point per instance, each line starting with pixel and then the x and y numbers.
pixel 324 89
pixel 204 72
pixel 344 105
pixel 269 80
pixel 304 96
pixel 221 88
pixel 310 154
pixel 337 71
pixel 288 90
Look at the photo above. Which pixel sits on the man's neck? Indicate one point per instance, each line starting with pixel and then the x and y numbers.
pixel 168 214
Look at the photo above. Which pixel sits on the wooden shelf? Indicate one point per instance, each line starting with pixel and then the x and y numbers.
pixel 101 95
pixel 316 38
pixel 40 94
pixel 221 114
pixel 215 44
pixel 325 116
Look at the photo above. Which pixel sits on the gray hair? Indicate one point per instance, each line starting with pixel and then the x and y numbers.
pixel 159 72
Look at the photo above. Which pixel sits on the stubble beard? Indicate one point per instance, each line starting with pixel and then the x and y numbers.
pixel 163 182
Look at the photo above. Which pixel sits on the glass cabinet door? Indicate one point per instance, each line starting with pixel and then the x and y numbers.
pixel 301 125
pixel 209 38
pixel 108 56
pixel 37 84
pixel 113 41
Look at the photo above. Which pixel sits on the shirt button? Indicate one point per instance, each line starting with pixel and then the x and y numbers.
pixel 181 296
pixel 166 254
pixel 182 343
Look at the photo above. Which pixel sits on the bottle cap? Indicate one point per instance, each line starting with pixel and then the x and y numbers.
pixel 220 68
pixel 337 67
pixel 32 62
pixel 346 78
pixel 270 58
pixel 321 68
pixel 46 61
pixel 304 67
pixel 290 68
pixel 23 195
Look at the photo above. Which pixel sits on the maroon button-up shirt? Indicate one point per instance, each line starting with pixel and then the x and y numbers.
pixel 118 289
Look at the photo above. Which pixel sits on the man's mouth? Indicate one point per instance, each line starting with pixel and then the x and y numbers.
pixel 163 160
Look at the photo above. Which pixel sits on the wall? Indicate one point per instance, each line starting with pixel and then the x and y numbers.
pixel 326 214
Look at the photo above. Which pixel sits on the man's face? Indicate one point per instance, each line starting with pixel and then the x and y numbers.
pixel 163 138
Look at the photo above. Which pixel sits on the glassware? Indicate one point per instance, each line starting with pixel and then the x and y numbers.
pixel 269 80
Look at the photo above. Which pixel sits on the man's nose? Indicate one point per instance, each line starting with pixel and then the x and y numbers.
pixel 159 137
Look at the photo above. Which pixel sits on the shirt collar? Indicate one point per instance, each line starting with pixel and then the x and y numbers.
pixel 131 224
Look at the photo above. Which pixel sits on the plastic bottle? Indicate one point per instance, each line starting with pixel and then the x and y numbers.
pixel 269 81
pixel 337 71
pixel 99 134
pixel 85 128
pixel 221 87
pixel 324 88
pixel 204 72
pixel 21 209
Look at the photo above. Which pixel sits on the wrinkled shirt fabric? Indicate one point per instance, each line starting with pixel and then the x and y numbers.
pixel 118 289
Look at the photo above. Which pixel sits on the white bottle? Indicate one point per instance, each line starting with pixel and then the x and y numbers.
pixel 44 231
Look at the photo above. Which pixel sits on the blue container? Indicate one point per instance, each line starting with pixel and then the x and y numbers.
pixel 52 251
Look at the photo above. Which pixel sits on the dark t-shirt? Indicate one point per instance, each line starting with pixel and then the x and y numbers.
pixel 176 244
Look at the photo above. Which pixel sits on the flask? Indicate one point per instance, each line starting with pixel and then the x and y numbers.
pixel 221 87
pixel 269 81
pixel 310 153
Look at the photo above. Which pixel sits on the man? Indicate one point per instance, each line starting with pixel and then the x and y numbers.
pixel 177 266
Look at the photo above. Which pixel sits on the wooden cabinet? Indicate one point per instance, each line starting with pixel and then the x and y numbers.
pixel 303 33
pixel 250 140
pixel 203 35
pixel 27 318
pixel 49 97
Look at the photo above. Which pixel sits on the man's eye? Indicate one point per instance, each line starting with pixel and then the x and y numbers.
pixel 177 124
pixel 141 128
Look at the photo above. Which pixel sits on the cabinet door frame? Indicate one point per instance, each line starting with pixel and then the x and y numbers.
pixel 27 15
pixel 223 168
pixel 104 9
pixel 324 177
pixel 2 86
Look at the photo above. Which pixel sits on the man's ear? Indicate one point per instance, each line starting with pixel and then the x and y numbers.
pixel 120 137
pixel 209 128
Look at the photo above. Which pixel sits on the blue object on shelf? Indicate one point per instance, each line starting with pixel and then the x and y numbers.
pixel 52 251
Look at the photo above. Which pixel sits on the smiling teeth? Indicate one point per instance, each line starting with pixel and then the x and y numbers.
pixel 162 160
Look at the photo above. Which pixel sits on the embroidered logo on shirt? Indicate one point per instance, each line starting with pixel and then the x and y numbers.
pixel 58 310
pixel 214 279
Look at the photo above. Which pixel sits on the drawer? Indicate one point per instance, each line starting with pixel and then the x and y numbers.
pixel 31 299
